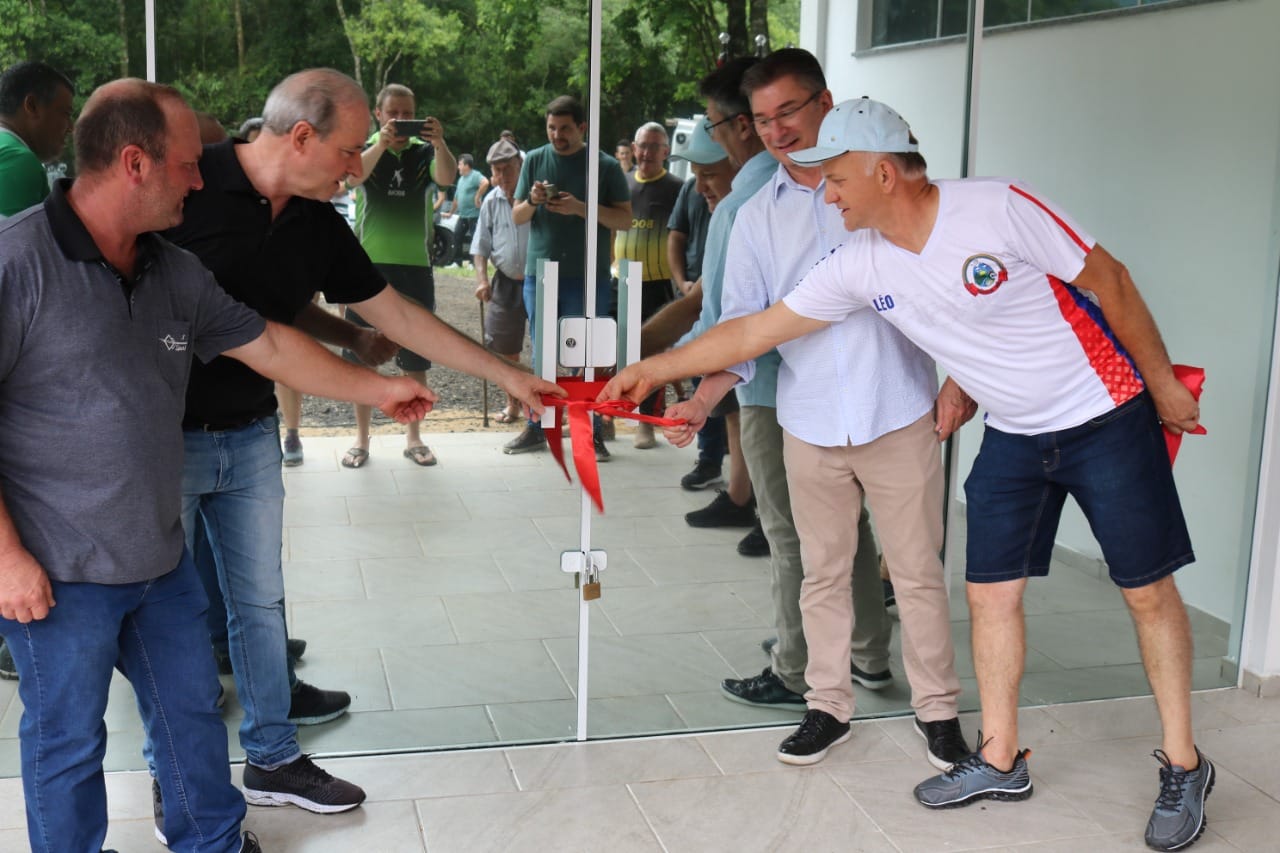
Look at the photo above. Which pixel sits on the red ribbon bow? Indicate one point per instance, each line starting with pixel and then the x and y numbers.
pixel 580 403
pixel 1193 378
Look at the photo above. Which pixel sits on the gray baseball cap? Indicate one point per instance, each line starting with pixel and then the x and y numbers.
pixel 858 125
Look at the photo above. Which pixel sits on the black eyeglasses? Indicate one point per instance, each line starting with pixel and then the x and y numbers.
pixel 709 126
pixel 763 123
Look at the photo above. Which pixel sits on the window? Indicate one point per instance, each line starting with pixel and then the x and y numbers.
pixel 902 21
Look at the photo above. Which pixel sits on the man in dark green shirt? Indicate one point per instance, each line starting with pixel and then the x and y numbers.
pixel 551 195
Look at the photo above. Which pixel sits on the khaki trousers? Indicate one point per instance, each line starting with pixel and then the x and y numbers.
pixel 867 637
pixel 900 474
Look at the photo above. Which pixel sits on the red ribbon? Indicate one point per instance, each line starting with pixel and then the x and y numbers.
pixel 1193 378
pixel 581 403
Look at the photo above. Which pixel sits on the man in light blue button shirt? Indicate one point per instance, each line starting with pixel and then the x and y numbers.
pixel 854 412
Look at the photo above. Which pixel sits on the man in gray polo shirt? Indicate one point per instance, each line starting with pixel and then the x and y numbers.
pixel 99 320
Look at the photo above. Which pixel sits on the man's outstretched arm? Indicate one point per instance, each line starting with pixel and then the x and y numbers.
pixel 724 345
pixel 416 328
pixel 291 357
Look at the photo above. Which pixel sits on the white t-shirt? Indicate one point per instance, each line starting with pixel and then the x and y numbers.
pixel 988 299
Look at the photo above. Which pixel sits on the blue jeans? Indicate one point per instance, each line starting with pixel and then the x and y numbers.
pixel 153 632
pixel 713 438
pixel 233 515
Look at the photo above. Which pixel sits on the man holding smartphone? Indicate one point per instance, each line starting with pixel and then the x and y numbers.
pixel 400 162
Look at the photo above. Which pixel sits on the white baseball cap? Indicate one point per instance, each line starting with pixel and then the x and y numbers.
pixel 701 148
pixel 858 125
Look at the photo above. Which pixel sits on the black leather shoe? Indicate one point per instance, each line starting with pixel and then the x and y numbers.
pixel 754 544
pixel 945 740
pixel 818 732
pixel 765 690
pixel 723 512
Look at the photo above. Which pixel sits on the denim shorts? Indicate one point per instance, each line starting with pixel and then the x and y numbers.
pixel 1117 468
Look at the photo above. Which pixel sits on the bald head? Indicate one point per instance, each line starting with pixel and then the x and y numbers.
pixel 315 96
pixel 119 114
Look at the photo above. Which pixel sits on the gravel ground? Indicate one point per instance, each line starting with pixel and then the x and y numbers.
pixel 459 408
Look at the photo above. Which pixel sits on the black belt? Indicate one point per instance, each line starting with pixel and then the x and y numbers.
pixel 221 426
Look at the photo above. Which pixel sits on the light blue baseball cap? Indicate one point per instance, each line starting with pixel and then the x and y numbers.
pixel 701 148
pixel 858 125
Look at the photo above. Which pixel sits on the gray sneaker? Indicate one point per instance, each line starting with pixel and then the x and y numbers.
pixel 972 779
pixel 1178 819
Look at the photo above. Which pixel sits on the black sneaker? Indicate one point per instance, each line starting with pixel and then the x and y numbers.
pixel 8 669
pixel 703 474
pixel 1178 819
pixel 251 844
pixel 531 438
pixel 754 544
pixel 602 452
pixel 945 741
pixel 311 705
pixel 818 732
pixel 872 680
pixel 157 811
pixel 300 783
pixel 294 648
pixel 890 600
pixel 723 512
pixel 765 690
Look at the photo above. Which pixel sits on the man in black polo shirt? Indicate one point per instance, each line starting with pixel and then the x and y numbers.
pixel 264 227
pixel 100 319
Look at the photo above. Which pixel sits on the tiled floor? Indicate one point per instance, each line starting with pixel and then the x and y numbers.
pixel 435 597
pixel 726 793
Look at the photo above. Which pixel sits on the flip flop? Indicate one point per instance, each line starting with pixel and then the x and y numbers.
pixel 505 417
pixel 355 457
pixel 420 455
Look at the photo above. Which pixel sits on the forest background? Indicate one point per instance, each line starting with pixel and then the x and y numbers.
pixel 478 65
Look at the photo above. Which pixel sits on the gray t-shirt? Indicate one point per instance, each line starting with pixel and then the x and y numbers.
pixel 93 378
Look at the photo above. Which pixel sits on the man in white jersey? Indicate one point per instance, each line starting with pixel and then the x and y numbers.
pixel 976 272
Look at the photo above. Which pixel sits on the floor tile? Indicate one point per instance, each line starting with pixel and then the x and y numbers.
pixel 387 778
pixel 322 580
pixel 477 536
pixel 757 812
pixel 406 509
pixel 341 483
pixel 1090 638
pixel 592 764
pixel 397 577
pixel 1241 749
pixel 389 826
pixel 566 821
pixel 678 609
pixel 497 507
pixel 686 564
pixel 651 664
pixel 412 728
pixel 473 674
pixel 371 624
pixel 354 543
pixel 315 511
pixel 557 720
pixel 521 615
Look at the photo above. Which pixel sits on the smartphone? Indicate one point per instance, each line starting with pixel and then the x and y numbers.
pixel 550 189
pixel 409 126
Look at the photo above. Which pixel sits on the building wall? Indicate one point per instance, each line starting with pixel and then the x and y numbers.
pixel 1159 132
